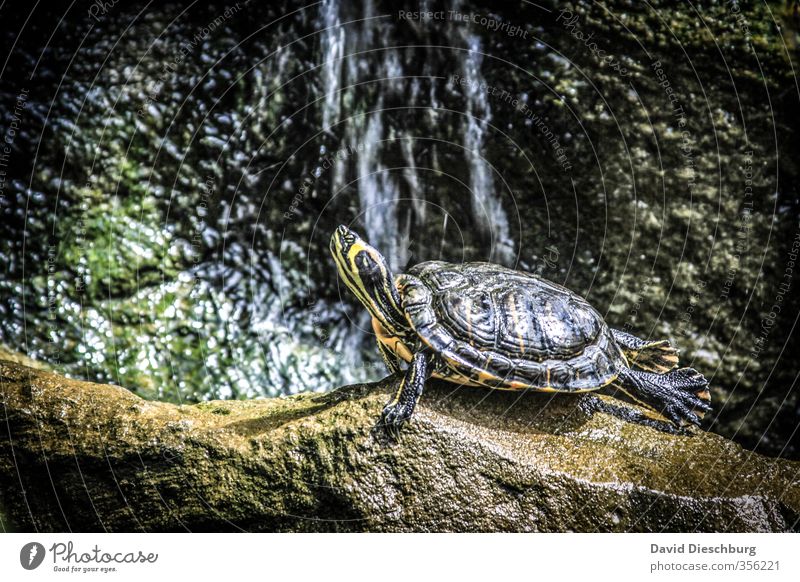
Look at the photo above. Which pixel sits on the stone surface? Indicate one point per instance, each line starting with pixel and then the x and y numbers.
pixel 92 457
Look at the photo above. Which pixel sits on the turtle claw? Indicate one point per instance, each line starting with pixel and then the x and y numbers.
pixel 681 410
pixel 687 417
pixel 393 417
pixel 681 396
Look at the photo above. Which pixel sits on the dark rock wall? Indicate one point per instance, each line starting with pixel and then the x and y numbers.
pixel 173 176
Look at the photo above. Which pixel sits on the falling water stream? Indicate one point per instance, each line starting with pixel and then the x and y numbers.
pixel 363 128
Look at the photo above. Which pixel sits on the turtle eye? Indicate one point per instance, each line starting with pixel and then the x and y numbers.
pixel 362 261
pixel 366 266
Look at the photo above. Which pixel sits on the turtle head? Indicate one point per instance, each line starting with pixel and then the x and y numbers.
pixel 367 274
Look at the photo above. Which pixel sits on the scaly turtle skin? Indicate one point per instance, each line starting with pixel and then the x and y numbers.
pixel 481 324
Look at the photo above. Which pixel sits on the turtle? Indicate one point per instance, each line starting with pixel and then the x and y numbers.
pixel 483 324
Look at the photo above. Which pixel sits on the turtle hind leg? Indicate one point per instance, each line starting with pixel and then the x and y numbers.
pixel 680 395
pixel 658 357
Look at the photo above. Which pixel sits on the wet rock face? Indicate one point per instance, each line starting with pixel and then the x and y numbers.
pixel 172 187
pixel 470 460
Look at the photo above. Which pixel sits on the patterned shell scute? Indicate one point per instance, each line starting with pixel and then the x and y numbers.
pixel 512 313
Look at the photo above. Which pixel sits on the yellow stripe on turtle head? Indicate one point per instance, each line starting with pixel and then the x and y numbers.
pixel 366 272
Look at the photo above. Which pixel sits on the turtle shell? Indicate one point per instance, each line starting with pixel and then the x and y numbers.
pixel 498 327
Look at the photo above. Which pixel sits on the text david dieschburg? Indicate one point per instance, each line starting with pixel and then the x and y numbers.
pixel 701 549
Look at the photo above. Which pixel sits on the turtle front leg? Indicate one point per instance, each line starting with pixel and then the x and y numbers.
pixel 400 408
pixel 389 358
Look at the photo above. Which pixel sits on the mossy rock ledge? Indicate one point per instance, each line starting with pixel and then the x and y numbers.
pixel 92 457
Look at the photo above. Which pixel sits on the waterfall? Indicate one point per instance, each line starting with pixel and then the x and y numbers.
pixel 378 195
pixel 332 48
pixel 487 211
pixel 365 129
